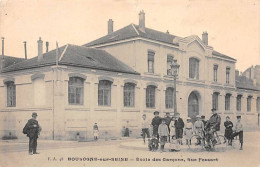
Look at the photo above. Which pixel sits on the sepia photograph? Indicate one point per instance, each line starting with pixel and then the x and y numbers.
pixel 129 83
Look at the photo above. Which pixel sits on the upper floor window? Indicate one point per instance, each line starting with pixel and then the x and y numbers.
pixel 129 95
pixel 215 73
pixel 194 68
pixel 76 90
pixel 104 93
pixel 258 104
pixel 227 102
pixel 169 98
pixel 11 94
pixel 151 61
pixel 215 100
pixel 239 97
pixel 150 96
pixel 227 75
pixel 169 62
pixel 249 98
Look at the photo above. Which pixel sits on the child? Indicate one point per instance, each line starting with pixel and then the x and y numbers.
pixel 228 131
pixel 172 128
pixel 174 146
pixel 95 131
pixel 163 132
pixel 188 131
pixel 153 143
pixel 239 131
pixel 179 125
pixel 199 128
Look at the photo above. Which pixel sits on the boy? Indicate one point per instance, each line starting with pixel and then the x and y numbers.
pixel 156 121
pixel 179 125
pixel 145 127
pixel 199 128
pixel 153 143
pixel 188 130
pixel 239 131
pixel 174 146
pixel 228 131
pixel 95 131
pixel 163 132
pixel 203 120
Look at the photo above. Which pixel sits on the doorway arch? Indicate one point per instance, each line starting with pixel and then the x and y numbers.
pixel 194 101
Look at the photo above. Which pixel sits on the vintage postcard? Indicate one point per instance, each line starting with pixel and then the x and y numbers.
pixel 129 83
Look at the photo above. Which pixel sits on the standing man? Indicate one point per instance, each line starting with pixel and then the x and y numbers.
pixel 156 121
pixel 179 125
pixel 32 129
pixel 203 120
pixel 212 125
pixel 145 127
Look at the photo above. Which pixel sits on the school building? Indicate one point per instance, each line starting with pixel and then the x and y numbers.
pixel 116 79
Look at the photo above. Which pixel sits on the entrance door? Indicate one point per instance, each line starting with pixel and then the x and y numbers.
pixel 193 106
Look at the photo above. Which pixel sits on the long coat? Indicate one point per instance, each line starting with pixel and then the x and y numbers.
pixel 31 130
pixel 156 121
pixel 228 130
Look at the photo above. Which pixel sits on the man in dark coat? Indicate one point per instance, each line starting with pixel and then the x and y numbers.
pixel 212 125
pixel 179 125
pixel 203 120
pixel 156 121
pixel 32 129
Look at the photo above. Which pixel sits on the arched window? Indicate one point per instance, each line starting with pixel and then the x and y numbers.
pixel 194 68
pixel 150 96
pixel 227 102
pixel 76 90
pixel 249 98
pixel 215 100
pixel 104 93
pixel 11 94
pixel 239 102
pixel 169 98
pixel 129 95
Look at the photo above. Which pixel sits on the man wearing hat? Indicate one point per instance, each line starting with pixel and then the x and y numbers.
pixel 212 125
pixel 32 129
pixel 239 131
pixel 179 125
pixel 156 121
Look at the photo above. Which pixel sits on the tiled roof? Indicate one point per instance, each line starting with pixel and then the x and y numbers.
pixel 8 60
pixel 132 31
pixel 73 55
pixel 242 82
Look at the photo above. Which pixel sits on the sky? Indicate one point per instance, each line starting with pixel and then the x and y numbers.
pixel 233 26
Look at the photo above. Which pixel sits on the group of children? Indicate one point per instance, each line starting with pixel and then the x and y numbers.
pixel 172 131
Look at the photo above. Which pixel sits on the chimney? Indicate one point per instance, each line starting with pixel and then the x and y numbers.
pixel 142 21
pixel 40 56
pixel 2 56
pixel 3 46
pixel 25 50
pixel 205 38
pixel 110 26
pixel 47 46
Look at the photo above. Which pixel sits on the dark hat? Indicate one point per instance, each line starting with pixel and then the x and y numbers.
pixel 144 114
pixel 238 117
pixel 213 109
pixel 156 112
pixel 228 117
pixel 34 114
pixel 202 116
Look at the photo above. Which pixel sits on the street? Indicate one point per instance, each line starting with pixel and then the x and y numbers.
pixel 131 152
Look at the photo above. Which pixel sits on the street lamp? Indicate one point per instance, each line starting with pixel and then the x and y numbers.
pixel 175 71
